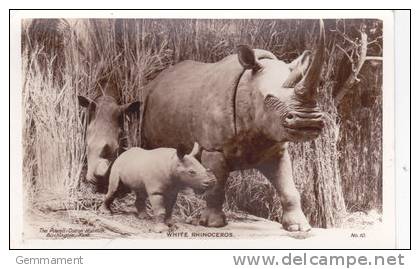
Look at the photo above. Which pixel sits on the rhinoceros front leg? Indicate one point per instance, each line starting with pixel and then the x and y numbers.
pixel 278 171
pixel 212 215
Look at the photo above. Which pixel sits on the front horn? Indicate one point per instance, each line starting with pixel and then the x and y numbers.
pixel 306 88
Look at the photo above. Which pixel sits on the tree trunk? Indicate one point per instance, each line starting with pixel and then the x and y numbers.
pixel 316 170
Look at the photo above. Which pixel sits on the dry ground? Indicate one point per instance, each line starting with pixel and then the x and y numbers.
pixel 51 222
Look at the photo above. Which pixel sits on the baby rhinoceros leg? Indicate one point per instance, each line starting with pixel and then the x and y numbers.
pixel 110 196
pixel 157 200
pixel 169 206
pixel 141 204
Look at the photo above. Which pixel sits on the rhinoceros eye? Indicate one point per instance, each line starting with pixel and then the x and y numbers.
pixel 192 172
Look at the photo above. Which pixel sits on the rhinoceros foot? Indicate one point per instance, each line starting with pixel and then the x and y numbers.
pixel 295 220
pixel 211 217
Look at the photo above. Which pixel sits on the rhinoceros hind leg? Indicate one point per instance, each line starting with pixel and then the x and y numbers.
pixel 213 215
pixel 278 171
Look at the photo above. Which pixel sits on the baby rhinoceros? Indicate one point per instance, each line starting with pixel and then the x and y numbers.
pixel 158 174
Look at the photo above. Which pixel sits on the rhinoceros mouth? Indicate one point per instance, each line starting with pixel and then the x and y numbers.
pixel 304 125
pixel 304 131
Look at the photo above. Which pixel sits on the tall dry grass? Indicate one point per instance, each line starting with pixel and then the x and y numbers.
pixel 64 58
pixel 360 142
pixel 53 133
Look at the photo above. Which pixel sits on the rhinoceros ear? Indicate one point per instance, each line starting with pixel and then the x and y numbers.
pixel 247 59
pixel 131 107
pixel 84 101
pixel 181 151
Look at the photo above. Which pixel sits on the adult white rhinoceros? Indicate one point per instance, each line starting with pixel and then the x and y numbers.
pixel 242 110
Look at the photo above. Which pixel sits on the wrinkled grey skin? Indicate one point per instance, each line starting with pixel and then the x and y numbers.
pixel 104 130
pixel 158 174
pixel 243 110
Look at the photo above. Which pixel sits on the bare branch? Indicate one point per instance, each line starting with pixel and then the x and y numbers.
pixel 375 40
pixel 373 58
pixel 358 64
pixel 347 38
pixel 363 51
pixel 345 52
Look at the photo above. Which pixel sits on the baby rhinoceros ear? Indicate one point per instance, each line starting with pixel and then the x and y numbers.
pixel 131 107
pixel 84 101
pixel 181 151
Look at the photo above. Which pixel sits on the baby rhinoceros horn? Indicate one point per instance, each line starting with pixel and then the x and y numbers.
pixel 195 152
pixel 182 150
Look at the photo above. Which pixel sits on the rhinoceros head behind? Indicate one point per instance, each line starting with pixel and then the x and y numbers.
pixel 284 98
pixel 105 122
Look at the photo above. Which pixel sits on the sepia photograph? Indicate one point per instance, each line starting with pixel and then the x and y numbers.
pixel 188 132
